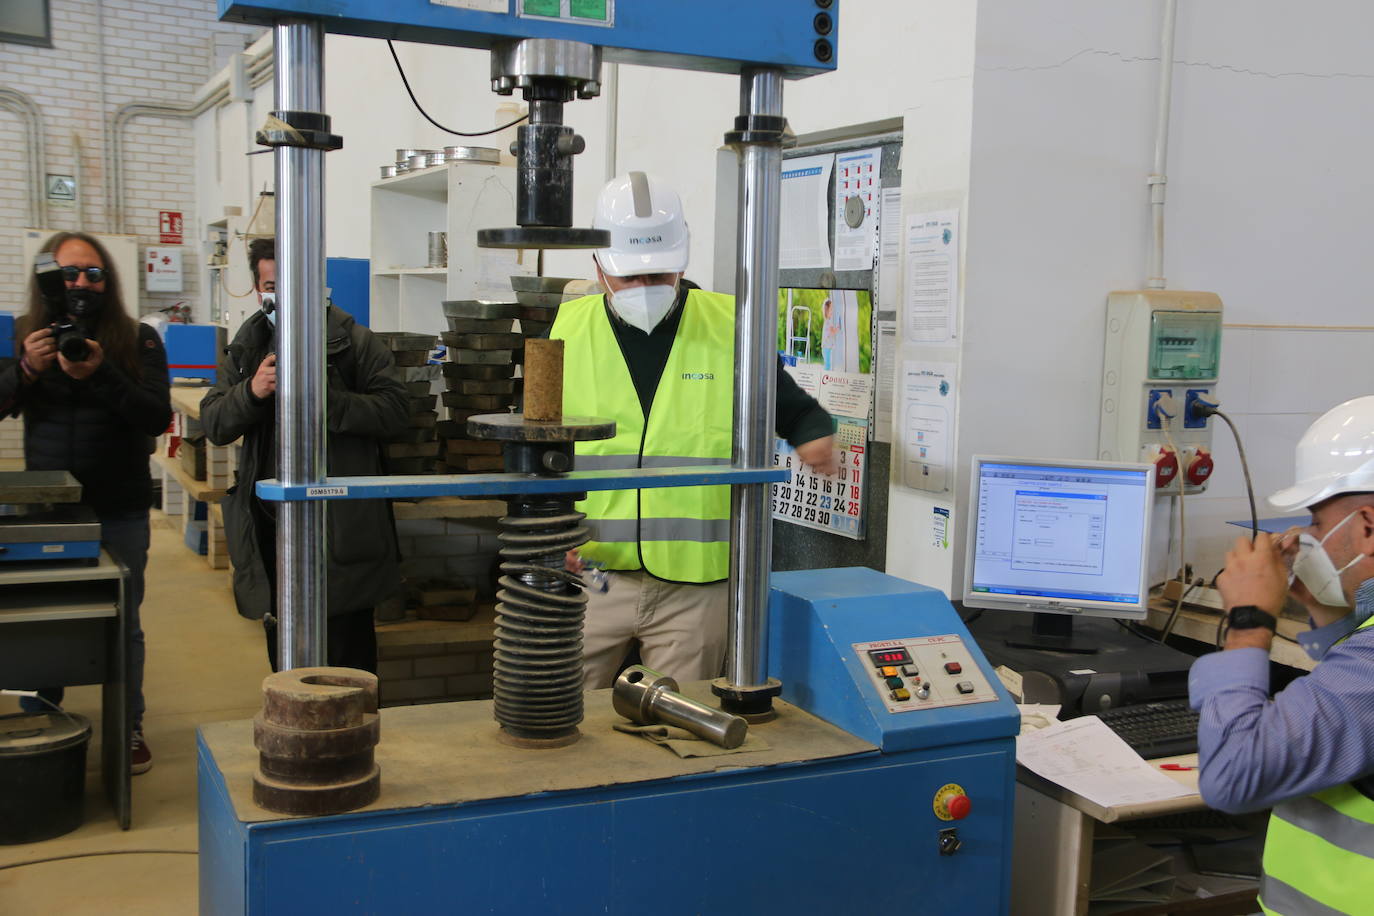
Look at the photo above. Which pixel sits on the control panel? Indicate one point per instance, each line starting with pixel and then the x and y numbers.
pixel 1162 361
pixel 923 672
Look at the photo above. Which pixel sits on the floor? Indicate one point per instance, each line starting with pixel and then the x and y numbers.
pixel 205 664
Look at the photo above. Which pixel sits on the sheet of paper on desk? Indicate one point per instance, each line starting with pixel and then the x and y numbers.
pixel 1089 759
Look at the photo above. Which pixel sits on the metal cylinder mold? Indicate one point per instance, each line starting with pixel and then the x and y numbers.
pixel 316 737
pixel 438 249
pixel 643 695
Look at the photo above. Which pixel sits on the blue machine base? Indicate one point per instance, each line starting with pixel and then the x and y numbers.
pixel 820 834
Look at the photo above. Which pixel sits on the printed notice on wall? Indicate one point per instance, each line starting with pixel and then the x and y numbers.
pixel 926 417
pixel 805 235
pixel 931 297
pixel 858 187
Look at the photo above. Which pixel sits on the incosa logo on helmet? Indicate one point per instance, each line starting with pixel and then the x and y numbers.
pixel 646 240
pixel 699 376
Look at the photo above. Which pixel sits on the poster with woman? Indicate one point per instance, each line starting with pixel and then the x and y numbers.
pixel 825 339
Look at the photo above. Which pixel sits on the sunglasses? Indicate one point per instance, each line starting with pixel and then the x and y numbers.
pixel 93 274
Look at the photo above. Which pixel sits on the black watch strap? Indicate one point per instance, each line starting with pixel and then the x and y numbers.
pixel 1248 617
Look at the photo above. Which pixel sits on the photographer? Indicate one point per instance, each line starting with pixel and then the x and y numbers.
pixel 92 385
pixel 366 404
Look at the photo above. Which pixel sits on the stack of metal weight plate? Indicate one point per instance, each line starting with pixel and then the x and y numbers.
pixel 483 350
pixel 416 451
pixel 539 298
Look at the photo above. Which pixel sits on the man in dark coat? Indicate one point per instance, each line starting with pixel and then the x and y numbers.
pixel 366 403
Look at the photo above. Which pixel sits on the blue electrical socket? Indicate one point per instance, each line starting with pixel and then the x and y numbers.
pixel 1193 396
pixel 1151 414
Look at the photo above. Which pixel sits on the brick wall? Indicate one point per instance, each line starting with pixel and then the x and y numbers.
pixel 457 550
pixel 430 661
pixel 147 51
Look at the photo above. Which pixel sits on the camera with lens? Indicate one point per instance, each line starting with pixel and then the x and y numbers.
pixel 68 310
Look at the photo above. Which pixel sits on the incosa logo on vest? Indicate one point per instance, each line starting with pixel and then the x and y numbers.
pixel 698 376
pixel 647 240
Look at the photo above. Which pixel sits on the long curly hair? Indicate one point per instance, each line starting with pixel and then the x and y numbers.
pixel 116 330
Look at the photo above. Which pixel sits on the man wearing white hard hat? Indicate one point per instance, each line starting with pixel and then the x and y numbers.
pixel 656 354
pixel 1309 752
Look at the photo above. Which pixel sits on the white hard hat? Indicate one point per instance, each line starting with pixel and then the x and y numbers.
pixel 648 232
pixel 1335 456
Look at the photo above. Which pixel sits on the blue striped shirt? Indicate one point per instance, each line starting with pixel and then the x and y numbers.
pixel 1316 733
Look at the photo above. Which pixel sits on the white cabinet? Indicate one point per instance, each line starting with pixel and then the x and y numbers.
pixel 458 198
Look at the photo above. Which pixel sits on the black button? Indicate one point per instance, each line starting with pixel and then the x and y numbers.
pixel 964 686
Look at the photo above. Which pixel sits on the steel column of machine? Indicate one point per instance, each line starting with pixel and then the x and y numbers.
pixel 751 535
pixel 299 48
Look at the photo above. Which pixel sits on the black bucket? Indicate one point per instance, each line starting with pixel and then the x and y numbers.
pixel 42 775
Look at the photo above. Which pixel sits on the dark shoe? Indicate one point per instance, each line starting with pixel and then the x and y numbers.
pixel 140 758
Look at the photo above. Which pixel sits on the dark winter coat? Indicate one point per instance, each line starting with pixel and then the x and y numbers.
pixel 100 428
pixel 365 404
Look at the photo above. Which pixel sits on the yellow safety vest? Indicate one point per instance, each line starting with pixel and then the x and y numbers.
pixel 681 534
pixel 1319 854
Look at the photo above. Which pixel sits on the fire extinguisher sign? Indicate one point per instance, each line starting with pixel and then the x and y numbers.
pixel 169 227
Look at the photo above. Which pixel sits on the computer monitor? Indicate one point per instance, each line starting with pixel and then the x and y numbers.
pixel 1058 539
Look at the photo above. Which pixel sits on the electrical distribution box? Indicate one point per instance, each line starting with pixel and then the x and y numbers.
pixel 1162 358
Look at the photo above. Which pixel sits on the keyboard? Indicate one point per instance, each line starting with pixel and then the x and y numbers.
pixel 1160 729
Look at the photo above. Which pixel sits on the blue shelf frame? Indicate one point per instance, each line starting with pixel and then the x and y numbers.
pixel 417 486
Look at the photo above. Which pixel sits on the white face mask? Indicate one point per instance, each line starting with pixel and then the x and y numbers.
pixel 269 306
pixel 1313 567
pixel 644 306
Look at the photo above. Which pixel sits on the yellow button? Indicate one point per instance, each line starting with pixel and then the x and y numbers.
pixel 901 693
pixel 889 672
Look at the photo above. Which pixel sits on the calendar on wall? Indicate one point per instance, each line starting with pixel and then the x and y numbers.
pixel 831 503
pixel 825 339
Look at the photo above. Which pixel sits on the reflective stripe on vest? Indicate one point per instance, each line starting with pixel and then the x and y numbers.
pixel 1319 854
pixel 676 533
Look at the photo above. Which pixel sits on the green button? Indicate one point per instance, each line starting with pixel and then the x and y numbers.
pixel 552 8
pixel 588 9
pixel 894 682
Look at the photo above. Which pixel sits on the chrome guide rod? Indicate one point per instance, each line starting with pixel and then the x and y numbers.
pixel 299 55
pixel 756 286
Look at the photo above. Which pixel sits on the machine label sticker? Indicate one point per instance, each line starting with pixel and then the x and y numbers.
pixel 326 491
pixel 54 548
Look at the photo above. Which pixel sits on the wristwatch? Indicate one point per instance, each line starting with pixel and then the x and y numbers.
pixel 1248 617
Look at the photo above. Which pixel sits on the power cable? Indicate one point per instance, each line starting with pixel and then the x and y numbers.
pixel 418 107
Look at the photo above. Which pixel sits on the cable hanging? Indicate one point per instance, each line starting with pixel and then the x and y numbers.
pixel 418 107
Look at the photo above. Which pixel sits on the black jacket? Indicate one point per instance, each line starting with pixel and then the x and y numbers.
pixel 366 403
pixel 101 428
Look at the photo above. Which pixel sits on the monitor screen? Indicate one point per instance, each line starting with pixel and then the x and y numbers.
pixel 1069 537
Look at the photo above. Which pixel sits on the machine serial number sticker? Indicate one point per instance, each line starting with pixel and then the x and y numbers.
pixel 326 491
pixel 54 548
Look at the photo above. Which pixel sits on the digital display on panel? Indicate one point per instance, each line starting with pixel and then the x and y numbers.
pixel 884 657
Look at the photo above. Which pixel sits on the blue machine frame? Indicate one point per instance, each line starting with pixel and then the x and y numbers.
pixel 721 36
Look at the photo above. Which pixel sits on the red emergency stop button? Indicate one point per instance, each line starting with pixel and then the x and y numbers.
pixel 952 803
pixel 959 806
pixel 1199 468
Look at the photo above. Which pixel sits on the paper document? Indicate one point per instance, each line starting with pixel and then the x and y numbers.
pixel 858 190
pixel 805 236
pixel 1089 759
pixel 932 275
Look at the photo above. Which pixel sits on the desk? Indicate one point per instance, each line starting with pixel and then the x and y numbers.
pixel 63 626
pixel 1053 841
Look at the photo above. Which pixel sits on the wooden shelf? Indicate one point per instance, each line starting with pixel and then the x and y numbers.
pixel 412 272
pixel 186 399
pixel 198 490
pixel 1201 625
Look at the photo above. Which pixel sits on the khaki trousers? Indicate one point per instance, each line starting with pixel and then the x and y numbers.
pixel 680 628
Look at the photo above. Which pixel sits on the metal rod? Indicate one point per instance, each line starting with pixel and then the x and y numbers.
pixel 1159 175
pixel 299 48
pixel 756 330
